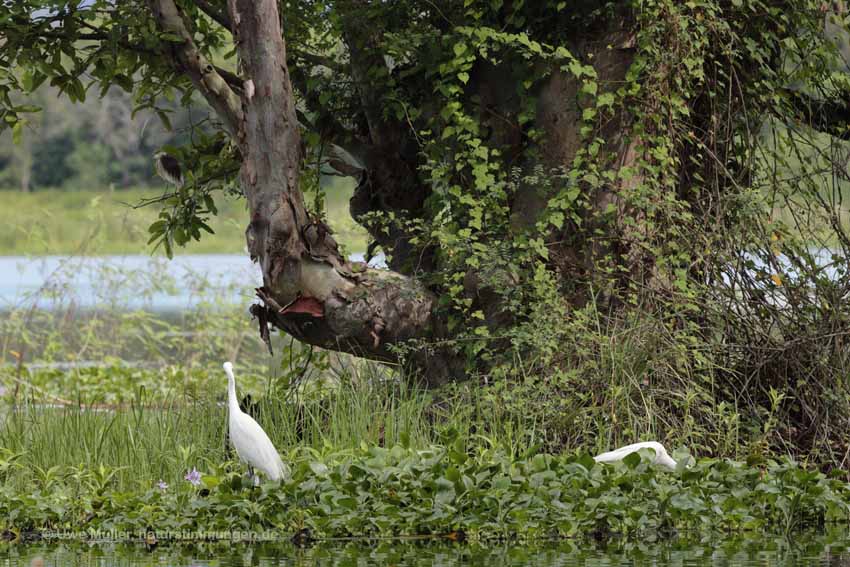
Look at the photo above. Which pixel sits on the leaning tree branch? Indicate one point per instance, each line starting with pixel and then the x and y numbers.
pixel 214 13
pixel 202 73
pixel 308 289
pixel 98 34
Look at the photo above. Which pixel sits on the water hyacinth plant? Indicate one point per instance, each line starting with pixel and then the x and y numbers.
pixel 483 494
pixel 194 477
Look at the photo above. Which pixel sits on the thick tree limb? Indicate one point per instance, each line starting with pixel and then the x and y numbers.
pixel 365 63
pixel 309 289
pixel 218 16
pixel 202 73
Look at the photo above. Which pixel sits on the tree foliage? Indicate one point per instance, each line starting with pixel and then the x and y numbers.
pixel 99 143
pixel 555 173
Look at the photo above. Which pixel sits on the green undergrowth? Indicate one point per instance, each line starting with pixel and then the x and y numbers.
pixel 402 491
pixel 142 441
pixel 377 459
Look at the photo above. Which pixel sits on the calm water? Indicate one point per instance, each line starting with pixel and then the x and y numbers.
pixel 130 282
pixel 157 284
pixel 821 549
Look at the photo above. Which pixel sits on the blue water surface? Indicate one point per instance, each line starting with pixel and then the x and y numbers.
pixel 131 282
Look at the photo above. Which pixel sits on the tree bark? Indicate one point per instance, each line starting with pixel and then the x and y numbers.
pixel 309 289
pixel 390 183
pixel 559 115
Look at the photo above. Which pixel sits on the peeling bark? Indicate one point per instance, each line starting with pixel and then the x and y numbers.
pixel 309 289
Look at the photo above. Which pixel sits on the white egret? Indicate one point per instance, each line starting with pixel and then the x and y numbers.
pixel 250 441
pixel 661 456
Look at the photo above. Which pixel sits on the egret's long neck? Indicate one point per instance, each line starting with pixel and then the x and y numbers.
pixel 232 403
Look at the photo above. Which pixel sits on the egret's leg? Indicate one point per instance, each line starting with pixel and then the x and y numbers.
pixel 252 476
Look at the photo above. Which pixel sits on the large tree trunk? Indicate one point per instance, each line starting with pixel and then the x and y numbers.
pixel 309 289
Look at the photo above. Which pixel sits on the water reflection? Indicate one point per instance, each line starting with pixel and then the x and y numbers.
pixel 800 549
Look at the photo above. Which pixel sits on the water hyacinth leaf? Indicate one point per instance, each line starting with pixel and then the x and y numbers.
pixel 319 468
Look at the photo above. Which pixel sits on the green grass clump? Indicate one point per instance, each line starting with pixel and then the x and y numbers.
pixel 151 439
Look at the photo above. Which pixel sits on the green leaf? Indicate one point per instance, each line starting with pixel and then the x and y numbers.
pixel 157 227
pixel 18 132
pixel 163 117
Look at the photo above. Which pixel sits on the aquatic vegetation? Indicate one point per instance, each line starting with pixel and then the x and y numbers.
pixel 479 495
pixel 193 476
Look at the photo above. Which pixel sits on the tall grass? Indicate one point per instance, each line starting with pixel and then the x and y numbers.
pixel 95 221
pixel 145 443
pixel 147 440
pixel 100 222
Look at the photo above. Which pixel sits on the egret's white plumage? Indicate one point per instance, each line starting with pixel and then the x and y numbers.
pixel 250 441
pixel 661 456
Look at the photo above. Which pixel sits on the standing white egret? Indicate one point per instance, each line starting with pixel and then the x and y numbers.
pixel 250 441
pixel 661 456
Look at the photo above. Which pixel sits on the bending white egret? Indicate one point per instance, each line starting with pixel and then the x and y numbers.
pixel 250 441
pixel 661 456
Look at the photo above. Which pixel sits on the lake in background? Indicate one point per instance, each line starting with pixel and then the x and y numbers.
pixel 161 285
pixel 157 284
pixel 130 282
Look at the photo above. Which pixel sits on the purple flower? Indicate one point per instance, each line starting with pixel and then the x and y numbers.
pixel 162 485
pixel 193 476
